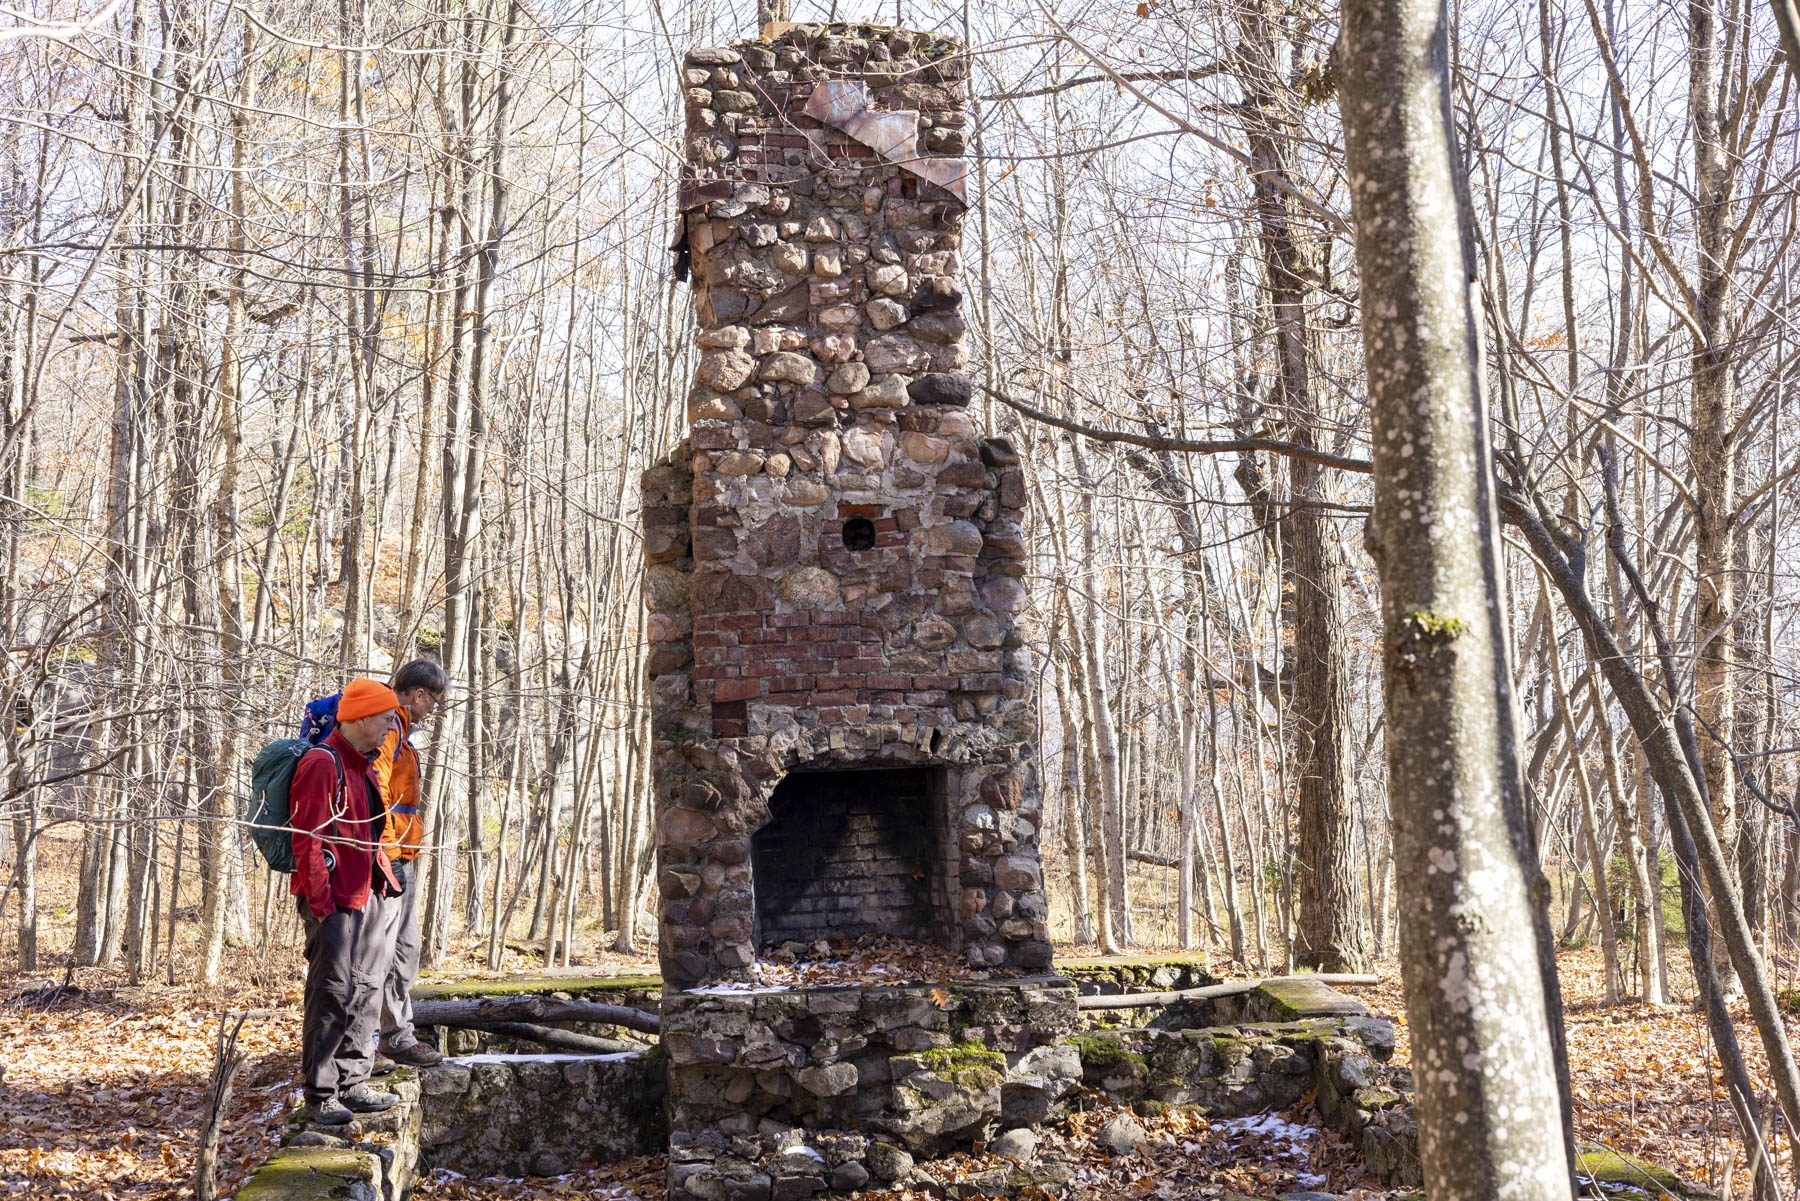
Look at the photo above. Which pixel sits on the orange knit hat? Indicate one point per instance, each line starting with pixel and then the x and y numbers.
pixel 364 698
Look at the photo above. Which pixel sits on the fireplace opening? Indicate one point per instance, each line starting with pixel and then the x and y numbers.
pixel 850 853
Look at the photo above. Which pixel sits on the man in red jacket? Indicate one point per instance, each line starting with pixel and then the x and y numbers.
pixel 338 818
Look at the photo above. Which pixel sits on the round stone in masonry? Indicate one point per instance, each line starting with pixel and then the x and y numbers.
pixel 859 534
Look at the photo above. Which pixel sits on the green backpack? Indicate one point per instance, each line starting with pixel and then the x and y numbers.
pixel 268 811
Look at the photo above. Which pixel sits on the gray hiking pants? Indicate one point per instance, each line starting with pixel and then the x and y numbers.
pixel 399 918
pixel 344 966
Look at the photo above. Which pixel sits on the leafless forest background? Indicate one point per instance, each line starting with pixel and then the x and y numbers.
pixel 334 335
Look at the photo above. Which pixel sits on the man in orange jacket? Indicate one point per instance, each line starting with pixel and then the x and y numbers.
pixel 420 688
pixel 340 873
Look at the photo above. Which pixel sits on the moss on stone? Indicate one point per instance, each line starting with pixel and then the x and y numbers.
pixel 964 1062
pixel 1605 1166
pixel 512 986
pixel 1374 1097
pixel 1100 1052
pixel 311 1174
pixel 1103 963
pixel 1295 1000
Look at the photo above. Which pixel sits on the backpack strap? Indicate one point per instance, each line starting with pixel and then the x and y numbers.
pixel 338 808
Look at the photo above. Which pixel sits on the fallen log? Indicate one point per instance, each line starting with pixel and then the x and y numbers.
pixel 560 1040
pixel 487 1011
pixel 1149 1000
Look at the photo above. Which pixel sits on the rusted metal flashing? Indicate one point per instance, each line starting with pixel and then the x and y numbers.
pixel 893 134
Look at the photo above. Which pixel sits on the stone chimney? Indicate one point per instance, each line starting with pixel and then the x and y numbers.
pixel 843 714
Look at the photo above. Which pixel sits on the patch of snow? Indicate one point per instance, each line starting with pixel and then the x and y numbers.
pixel 1272 1126
pixel 1607 1186
pixel 611 1192
pixel 1293 1140
pixel 548 1057
pixel 729 989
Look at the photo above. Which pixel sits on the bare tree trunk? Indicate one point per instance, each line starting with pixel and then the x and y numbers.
pixel 195 437
pixel 1590 825
pixel 235 664
pixel 1103 744
pixel 1673 757
pixel 24 881
pixel 1074 805
pixel 1713 417
pixel 456 506
pixel 1787 19
pixel 1490 1108
pixel 91 883
pixel 1188 749
pixel 1228 867
pixel 1103 757
pixel 125 521
pixel 1646 929
pixel 361 329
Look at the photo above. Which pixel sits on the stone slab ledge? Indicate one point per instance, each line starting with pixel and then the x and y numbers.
pixel 374 1158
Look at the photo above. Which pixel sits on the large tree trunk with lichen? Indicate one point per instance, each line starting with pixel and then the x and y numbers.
pixel 1327 929
pixel 1477 1006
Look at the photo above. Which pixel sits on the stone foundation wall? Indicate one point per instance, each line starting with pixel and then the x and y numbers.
pixel 541 1115
pixel 1111 975
pixel 784 1095
pixel 929 1067
pixel 1268 1050
pixel 1228 1071
pixel 779 1095
pixel 1368 1101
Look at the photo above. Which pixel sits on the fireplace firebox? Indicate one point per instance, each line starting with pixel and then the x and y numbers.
pixel 849 853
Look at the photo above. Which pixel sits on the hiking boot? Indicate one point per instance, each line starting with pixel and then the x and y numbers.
pixel 363 1099
pixel 416 1055
pixel 383 1066
pixel 329 1112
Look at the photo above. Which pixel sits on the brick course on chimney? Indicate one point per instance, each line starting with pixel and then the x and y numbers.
pixel 836 557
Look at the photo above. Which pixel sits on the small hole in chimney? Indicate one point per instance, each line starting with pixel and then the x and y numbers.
pixel 859 534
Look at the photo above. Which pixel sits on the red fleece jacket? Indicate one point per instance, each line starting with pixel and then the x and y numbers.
pixel 337 840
